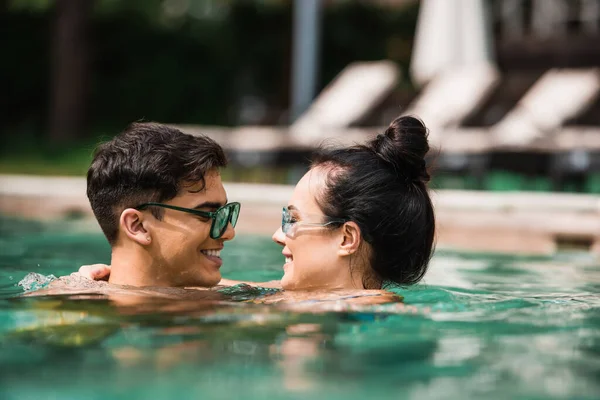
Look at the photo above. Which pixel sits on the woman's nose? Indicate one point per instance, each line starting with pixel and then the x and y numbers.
pixel 279 237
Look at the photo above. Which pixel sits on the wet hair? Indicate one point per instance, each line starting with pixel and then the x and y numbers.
pixel 382 187
pixel 147 162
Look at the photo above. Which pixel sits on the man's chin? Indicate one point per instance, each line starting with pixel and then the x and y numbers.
pixel 213 282
pixel 207 281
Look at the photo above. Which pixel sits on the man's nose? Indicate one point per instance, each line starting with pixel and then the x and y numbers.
pixel 229 232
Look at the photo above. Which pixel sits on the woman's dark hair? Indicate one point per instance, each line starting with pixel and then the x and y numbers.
pixel 381 186
pixel 147 162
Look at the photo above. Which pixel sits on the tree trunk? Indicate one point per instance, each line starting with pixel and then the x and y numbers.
pixel 69 69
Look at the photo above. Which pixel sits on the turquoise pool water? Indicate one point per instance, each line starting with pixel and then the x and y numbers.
pixel 487 327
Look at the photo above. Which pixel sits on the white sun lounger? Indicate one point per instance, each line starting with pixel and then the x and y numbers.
pixel 558 95
pixel 453 96
pixel 359 88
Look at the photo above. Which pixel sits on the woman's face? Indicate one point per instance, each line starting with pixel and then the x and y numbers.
pixel 312 252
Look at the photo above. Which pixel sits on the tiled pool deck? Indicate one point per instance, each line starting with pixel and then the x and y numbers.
pixel 514 222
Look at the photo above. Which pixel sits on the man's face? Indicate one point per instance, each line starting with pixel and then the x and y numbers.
pixel 181 242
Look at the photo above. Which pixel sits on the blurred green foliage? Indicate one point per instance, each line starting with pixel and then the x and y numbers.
pixel 151 61
pixel 191 62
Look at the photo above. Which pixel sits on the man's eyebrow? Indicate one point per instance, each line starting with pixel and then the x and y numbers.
pixel 210 204
pixel 292 207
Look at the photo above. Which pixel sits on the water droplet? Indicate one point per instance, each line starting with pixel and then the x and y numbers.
pixel 35 281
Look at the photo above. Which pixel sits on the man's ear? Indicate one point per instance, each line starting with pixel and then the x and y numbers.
pixel 132 224
pixel 351 239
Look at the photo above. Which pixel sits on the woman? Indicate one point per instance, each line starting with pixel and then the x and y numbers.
pixel 360 218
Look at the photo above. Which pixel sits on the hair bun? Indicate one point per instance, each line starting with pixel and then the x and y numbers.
pixel 403 146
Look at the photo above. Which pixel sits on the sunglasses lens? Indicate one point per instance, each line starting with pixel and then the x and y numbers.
pixel 285 218
pixel 221 220
pixel 229 213
pixel 235 213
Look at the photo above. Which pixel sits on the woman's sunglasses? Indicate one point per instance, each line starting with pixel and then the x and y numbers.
pixel 288 222
pixel 229 213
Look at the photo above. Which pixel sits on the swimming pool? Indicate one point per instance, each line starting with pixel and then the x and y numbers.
pixel 487 326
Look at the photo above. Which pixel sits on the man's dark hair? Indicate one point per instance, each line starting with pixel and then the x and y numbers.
pixel 147 162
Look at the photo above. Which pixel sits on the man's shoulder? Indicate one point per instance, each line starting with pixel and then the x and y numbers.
pixel 70 284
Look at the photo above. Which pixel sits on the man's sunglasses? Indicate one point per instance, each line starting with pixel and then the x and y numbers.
pixel 220 218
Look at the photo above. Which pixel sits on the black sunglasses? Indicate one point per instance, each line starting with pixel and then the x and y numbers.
pixel 229 213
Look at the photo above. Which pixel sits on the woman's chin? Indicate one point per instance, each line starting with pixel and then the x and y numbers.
pixel 287 282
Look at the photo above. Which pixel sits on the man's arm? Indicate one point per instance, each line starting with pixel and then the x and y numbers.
pixel 101 272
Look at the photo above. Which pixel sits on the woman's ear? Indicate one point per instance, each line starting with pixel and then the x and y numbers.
pixel 351 238
pixel 131 224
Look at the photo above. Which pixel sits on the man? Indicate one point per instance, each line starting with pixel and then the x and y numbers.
pixel 158 197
